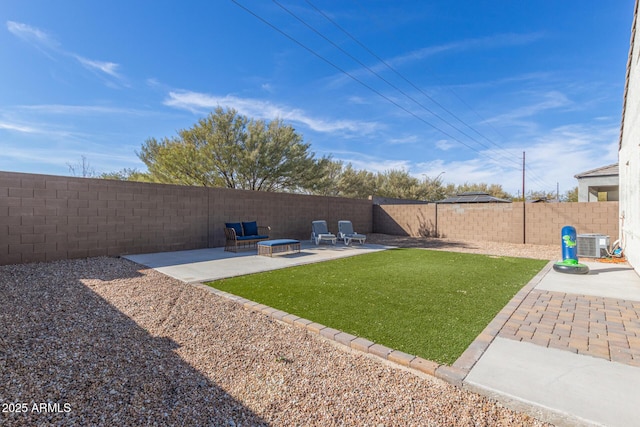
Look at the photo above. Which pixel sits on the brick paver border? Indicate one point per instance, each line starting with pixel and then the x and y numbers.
pixel 351 341
pixel 472 354
pixel 596 326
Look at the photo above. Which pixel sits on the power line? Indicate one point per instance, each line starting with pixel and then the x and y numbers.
pixel 441 83
pixel 372 89
pixel 381 77
pixel 313 52
pixel 396 72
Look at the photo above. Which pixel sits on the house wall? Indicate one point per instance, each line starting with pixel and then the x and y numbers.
pixel 629 156
pixel 498 222
pixel 45 218
pixel 588 188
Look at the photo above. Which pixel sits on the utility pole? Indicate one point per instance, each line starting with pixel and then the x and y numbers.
pixel 524 203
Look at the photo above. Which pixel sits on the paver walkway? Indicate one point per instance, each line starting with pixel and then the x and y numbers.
pixel 595 326
pixel 567 350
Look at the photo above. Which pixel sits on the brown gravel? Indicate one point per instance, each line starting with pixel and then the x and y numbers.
pixel 104 341
pixel 549 252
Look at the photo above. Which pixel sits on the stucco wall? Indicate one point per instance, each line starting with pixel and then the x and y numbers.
pixel 608 184
pixel 629 156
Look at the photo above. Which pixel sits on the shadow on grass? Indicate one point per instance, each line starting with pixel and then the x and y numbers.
pixel 63 344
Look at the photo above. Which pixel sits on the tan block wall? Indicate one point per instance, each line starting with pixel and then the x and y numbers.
pixel 500 222
pixel 405 220
pixel 495 222
pixel 45 218
pixel 288 215
pixel 545 220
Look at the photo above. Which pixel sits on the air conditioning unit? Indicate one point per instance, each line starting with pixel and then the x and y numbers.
pixel 593 245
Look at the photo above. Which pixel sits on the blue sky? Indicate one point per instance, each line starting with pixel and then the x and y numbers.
pixel 458 87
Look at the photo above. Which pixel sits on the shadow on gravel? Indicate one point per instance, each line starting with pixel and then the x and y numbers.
pixel 80 361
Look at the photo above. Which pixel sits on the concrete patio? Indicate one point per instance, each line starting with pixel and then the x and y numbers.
pixel 202 265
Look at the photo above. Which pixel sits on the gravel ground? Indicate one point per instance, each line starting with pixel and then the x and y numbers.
pixel 549 252
pixel 103 341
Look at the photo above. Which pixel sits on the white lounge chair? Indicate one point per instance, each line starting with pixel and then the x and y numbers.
pixel 346 233
pixel 320 232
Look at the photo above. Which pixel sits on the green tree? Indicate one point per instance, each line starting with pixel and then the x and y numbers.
pixel 338 179
pixel 570 195
pixel 127 174
pixel 327 183
pixel 433 188
pixel 356 183
pixel 541 194
pixel 494 190
pixel 226 149
pixel 398 183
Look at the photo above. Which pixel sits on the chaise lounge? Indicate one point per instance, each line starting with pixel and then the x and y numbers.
pixel 346 233
pixel 320 232
pixel 244 234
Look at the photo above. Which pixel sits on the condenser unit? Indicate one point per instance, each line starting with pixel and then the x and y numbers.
pixel 593 245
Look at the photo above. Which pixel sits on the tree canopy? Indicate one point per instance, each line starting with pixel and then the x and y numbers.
pixel 226 149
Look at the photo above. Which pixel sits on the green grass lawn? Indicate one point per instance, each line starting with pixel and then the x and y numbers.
pixel 427 303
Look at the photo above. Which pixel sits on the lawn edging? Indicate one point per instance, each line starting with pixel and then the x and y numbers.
pixel 463 365
pixel 348 340
pixel 454 374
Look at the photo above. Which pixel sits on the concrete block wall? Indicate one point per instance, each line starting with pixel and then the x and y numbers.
pixel 495 222
pixel 288 215
pixel 545 220
pixel 407 220
pixel 44 218
pixel 499 222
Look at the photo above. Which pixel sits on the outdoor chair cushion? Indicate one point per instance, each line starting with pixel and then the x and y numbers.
pixel 250 228
pixel 254 237
pixel 237 227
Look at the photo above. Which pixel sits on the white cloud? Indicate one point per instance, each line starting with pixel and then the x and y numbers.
pixel 552 158
pixel 482 43
pixel 378 166
pixel 358 100
pixel 105 67
pixel 549 101
pixel 490 42
pixel 51 47
pixel 16 127
pixel 445 145
pixel 83 110
pixel 31 34
pixel 411 139
pixel 201 103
